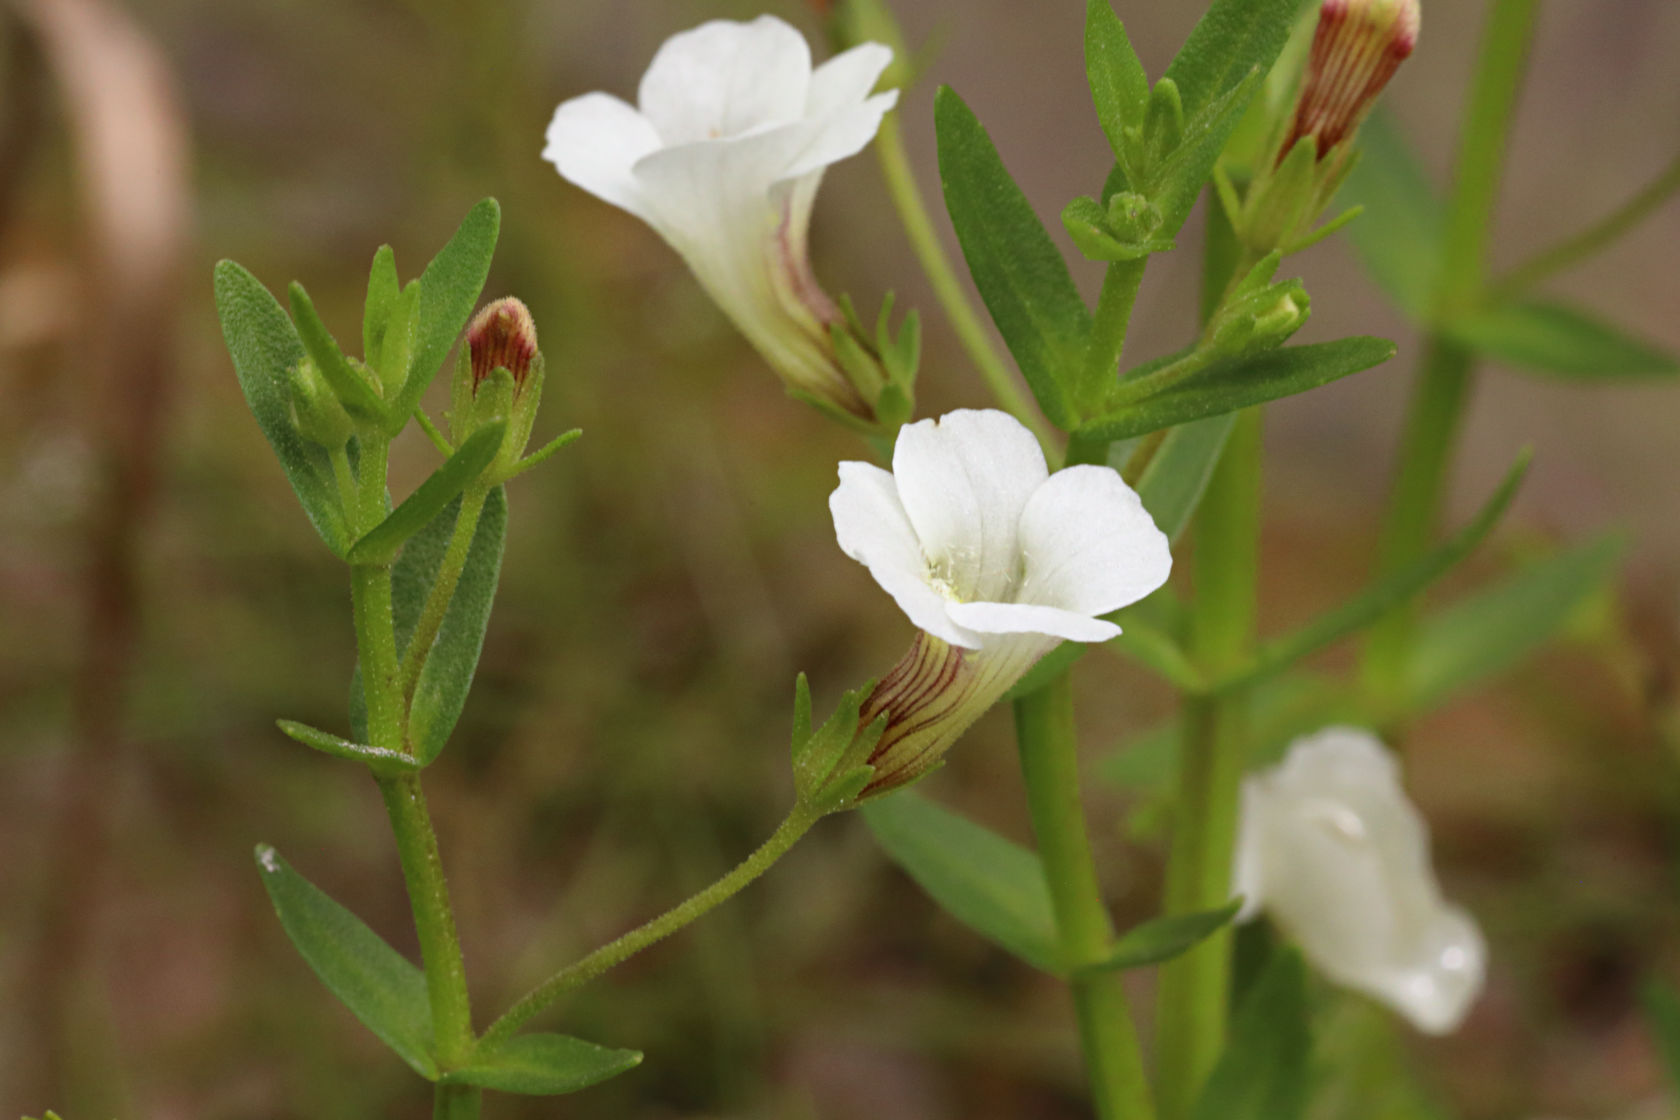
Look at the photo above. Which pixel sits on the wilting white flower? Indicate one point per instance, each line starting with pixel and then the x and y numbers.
pixel 1333 851
pixel 995 559
pixel 722 156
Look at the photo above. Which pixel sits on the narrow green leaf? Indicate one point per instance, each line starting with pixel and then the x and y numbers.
pixel 1662 1012
pixel 1179 180
pixel 1400 236
pixel 380 544
pixel 992 885
pixel 1020 274
pixel 1233 39
pixel 1263 1073
pixel 1381 597
pixel 441 691
pixel 1489 632
pixel 265 348
pixel 1552 339
pixel 351 388
pixel 384 289
pixel 379 986
pixel 543 1065
pixel 377 757
pixel 1164 938
pixel 1234 385
pixel 449 289
pixel 1119 86
pixel 1177 476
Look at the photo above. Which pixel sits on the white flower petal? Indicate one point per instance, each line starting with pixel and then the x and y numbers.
pixel 1024 618
pixel 594 141
pixel 1090 545
pixel 724 79
pixel 843 134
pixel 846 79
pixel 964 480
pixel 872 529
pixel 1436 988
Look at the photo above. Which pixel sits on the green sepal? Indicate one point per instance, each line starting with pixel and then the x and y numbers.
pixel 1550 338
pixel 841 746
pixel 1163 123
pixel 380 544
pixel 992 885
pixel 382 761
pixel 1238 383
pixel 265 348
pixel 1164 938
pixel 351 387
pixel 542 1065
pixel 378 984
pixel 1263 1073
pixel 1020 274
pixel 383 292
pixel 449 289
pixel 1095 235
pixel 1119 85
pixel 1282 201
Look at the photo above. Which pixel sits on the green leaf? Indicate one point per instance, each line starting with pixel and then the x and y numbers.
pixel 1400 236
pixel 992 885
pixel 265 348
pixel 1662 1012
pixel 380 544
pixel 1020 274
pixel 1233 385
pixel 384 289
pixel 1165 938
pixel 1233 39
pixel 1177 476
pixel 441 692
pixel 1179 180
pixel 358 397
pixel 1262 1074
pixel 1553 339
pixel 379 986
pixel 377 757
pixel 1119 86
pixel 544 1065
pixel 449 289
pixel 1494 629
pixel 1381 597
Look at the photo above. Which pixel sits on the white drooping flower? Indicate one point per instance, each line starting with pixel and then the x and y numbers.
pixel 722 156
pixel 995 560
pixel 1333 851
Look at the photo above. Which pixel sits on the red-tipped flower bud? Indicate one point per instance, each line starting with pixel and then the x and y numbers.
pixel 1356 49
pixel 503 334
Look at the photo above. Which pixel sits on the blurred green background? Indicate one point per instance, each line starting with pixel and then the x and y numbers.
pixel 162 600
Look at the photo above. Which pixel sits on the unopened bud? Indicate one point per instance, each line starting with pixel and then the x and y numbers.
pixel 502 335
pixel 1356 49
pixel 321 419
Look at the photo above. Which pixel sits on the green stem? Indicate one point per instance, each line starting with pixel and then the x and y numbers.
pixel 1592 240
pixel 924 241
pixel 457 1102
pixel 1108 330
pixel 573 976
pixel 1044 729
pixel 346 479
pixel 376 653
pixel 1195 988
pixel 443 588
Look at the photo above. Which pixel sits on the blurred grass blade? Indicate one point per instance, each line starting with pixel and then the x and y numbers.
pixel 1387 593
pixel 1494 629
pixel 1263 1073
pixel 380 544
pixel 1173 483
pixel 449 290
pixel 544 1065
pixel 1562 341
pixel 1662 1012
pixel 1234 385
pixel 1018 270
pixel 441 691
pixel 384 289
pixel 990 884
pixel 358 397
pixel 1119 86
pixel 1399 237
pixel 343 748
pixel 1165 938
pixel 377 984
pixel 265 348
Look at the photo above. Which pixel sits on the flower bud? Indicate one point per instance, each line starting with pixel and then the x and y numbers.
pixel 320 417
pixel 1356 49
pixel 498 376
pixel 502 334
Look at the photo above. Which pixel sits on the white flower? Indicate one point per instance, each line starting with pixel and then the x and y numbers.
pixel 722 156
pixel 995 559
pixel 1333 851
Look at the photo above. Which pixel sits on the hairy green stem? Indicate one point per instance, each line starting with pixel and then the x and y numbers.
pixel 573 976
pixel 1195 988
pixel 1108 330
pixel 457 1102
pixel 443 588
pixel 1044 729
pixel 947 288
